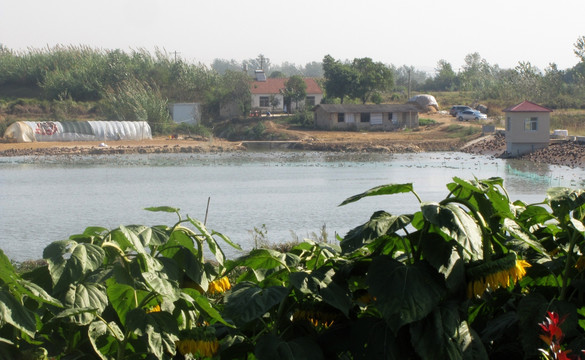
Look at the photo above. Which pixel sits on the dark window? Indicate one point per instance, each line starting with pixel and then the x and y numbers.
pixel 310 101
pixel 264 101
pixel 365 117
pixel 340 117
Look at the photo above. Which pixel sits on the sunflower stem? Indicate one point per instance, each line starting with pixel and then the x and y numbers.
pixel 565 278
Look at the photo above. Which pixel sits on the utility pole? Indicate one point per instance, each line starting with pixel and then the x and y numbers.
pixel 176 55
pixel 409 82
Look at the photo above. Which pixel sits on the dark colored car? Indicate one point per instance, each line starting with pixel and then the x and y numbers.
pixel 457 108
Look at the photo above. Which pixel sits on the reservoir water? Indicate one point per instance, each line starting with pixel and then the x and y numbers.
pixel 289 194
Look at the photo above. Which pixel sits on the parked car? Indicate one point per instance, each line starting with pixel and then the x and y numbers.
pixel 457 108
pixel 470 115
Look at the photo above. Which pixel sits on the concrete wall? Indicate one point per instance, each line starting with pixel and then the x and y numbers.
pixel 189 113
pixel 353 121
pixel 520 141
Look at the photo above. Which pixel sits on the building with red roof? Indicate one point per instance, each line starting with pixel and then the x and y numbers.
pixel 527 128
pixel 267 96
pixel 267 92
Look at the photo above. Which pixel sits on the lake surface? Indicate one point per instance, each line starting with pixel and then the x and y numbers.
pixel 294 194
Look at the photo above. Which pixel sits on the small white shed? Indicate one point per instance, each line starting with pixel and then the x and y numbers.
pixel 189 113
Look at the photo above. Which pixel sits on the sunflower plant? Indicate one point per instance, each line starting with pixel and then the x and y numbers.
pixel 465 277
pixel 130 292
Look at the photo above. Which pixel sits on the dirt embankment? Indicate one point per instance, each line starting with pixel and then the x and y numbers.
pixel 154 146
pixel 426 138
pixel 436 137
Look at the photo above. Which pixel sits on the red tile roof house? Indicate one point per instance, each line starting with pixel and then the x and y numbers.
pixel 263 88
pixel 527 128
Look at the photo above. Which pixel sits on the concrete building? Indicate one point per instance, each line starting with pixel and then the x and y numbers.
pixel 385 117
pixel 527 128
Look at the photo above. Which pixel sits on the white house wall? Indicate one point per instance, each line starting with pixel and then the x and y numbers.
pixel 280 107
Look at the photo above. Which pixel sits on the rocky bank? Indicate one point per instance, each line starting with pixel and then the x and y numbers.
pixel 564 153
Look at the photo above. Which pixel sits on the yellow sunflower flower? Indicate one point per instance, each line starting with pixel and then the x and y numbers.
pixel 153 309
pixel 494 274
pixel 203 347
pixel 315 318
pixel 219 286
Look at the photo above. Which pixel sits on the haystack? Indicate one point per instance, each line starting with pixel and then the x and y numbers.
pixel 427 103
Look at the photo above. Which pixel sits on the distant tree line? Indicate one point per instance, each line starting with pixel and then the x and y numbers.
pixel 136 85
pixel 551 87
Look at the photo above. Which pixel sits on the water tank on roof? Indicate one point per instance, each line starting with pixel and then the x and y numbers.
pixel 260 75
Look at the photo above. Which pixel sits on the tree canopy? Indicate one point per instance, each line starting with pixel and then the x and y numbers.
pixel 295 89
pixel 372 77
pixel 360 79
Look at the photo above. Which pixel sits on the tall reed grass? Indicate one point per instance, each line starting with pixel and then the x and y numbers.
pixel 135 100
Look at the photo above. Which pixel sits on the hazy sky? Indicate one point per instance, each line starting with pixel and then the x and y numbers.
pixel 415 33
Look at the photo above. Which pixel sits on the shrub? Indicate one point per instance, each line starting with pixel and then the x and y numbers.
pixel 425 122
pixel 303 118
pixel 191 129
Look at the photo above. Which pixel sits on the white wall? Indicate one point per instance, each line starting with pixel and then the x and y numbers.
pixel 186 113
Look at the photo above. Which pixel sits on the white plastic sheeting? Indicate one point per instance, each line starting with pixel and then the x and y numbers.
pixel 425 101
pixel 29 131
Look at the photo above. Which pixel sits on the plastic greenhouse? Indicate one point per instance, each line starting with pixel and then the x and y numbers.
pixel 30 131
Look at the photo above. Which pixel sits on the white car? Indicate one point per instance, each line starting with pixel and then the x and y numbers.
pixel 471 115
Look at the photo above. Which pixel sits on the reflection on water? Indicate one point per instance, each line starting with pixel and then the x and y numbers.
pixel 44 199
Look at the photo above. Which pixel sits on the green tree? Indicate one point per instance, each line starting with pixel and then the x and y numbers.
pixel 339 78
pixel 446 78
pixel 580 48
pixel 290 69
pixel 223 65
pixel 274 101
pixel 313 69
pixel 372 77
pixel 295 89
pixel 277 74
pixel 529 81
pixel 233 87
pixel 407 77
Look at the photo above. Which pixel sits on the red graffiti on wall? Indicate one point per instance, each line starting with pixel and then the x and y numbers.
pixel 46 128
